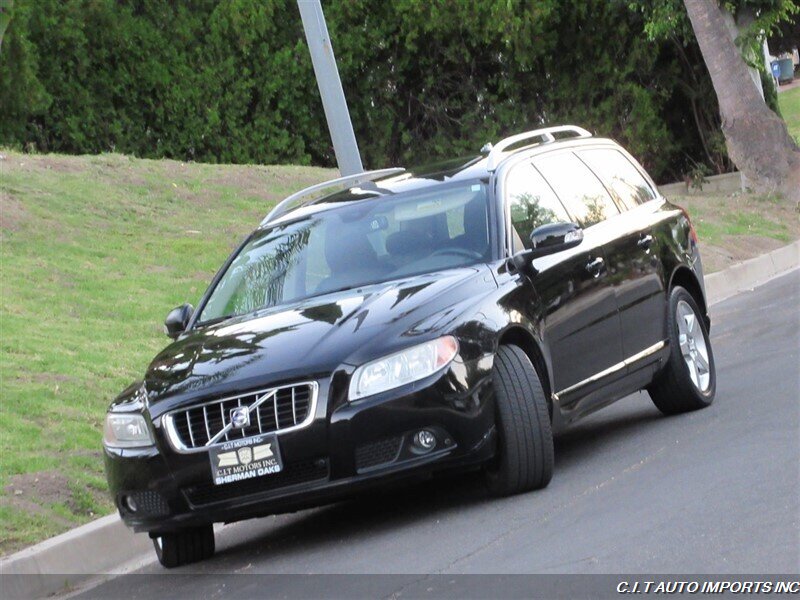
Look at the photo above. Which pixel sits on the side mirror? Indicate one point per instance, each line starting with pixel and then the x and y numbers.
pixel 555 237
pixel 177 320
pixel 548 239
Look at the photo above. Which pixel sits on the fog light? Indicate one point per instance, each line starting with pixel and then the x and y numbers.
pixel 424 440
pixel 130 503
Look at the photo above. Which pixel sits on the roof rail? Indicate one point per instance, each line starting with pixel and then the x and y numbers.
pixel 338 185
pixel 498 151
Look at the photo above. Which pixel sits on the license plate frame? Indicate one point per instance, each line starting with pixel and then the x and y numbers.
pixel 248 458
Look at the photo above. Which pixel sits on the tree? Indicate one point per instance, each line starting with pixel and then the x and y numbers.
pixel 785 38
pixel 757 139
pixel 5 17
pixel 231 80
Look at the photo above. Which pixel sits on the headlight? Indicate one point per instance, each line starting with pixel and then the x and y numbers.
pixel 126 430
pixel 411 364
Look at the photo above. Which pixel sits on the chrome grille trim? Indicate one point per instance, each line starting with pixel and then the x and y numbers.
pixel 262 396
pixel 260 399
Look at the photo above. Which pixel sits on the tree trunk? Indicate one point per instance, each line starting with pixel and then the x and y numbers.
pixel 757 139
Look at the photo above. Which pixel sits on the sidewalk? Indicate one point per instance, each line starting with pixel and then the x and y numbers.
pixel 790 86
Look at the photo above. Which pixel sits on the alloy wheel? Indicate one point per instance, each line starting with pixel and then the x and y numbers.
pixel 692 341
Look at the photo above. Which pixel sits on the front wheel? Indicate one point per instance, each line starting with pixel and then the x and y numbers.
pixel 185 546
pixel 688 381
pixel 524 458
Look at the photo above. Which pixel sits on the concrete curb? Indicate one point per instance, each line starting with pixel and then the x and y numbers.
pixel 60 563
pixel 751 273
pixel 106 546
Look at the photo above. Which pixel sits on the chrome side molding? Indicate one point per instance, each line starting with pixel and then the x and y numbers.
pixel 612 369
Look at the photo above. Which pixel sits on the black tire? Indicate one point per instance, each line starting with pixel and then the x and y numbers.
pixel 673 391
pixel 524 458
pixel 186 546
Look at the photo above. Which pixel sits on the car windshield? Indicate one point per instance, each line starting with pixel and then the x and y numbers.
pixel 344 245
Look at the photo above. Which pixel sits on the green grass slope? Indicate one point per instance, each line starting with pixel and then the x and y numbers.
pixel 789 101
pixel 94 252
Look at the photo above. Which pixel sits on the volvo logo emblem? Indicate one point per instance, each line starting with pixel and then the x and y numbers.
pixel 240 417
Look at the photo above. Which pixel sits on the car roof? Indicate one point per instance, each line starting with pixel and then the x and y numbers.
pixel 398 180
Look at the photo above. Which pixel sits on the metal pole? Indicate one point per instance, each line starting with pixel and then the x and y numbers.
pixel 330 87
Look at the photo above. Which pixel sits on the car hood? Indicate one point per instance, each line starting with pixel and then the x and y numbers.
pixel 306 340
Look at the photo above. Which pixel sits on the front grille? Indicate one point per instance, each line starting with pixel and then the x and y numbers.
pixel 292 474
pixel 274 409
pixel 378 453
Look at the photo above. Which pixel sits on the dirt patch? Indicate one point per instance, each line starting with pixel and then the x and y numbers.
pixel 12 213
pixel 175 167
pixel 41 488
pixel 735 249
pixel 37 492
pixel 48 162
pixel 259 181
pixel 201 276
pixel 204 199
pixel 62 164
pixel 46 378
pixel 157 269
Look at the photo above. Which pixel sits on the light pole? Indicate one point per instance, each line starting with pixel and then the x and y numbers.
pixel 330 87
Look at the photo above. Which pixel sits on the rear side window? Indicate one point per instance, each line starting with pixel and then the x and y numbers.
pixel 579 188
pixel 532 203
pixel 620 175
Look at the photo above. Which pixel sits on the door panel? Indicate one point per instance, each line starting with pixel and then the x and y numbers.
pixel 634 270
pixel 581 326
pixel 632 249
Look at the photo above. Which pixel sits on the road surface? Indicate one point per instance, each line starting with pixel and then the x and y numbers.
pixel 715 491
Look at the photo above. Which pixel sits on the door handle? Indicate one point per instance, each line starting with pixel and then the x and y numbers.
pixel 595 266
pixel 645 241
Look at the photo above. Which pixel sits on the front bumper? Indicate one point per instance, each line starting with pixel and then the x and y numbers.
pixel 348 447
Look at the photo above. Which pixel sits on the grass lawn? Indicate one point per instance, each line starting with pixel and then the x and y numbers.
pixel 735 227
pixel 789 101
pixel 95 250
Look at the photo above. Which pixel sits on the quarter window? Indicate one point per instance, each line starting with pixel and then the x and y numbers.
pixel 579 188
pixel 621 176
pixel 531 203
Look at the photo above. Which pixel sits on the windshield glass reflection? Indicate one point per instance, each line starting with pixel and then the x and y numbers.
pixel 362 242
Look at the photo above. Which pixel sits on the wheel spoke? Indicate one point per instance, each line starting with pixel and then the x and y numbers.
pixel 693 372
pixel 691 321
pixel 682 328
pixel 701 362
pixel 683 340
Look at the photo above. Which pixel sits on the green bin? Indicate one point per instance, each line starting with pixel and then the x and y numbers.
pixel 786 70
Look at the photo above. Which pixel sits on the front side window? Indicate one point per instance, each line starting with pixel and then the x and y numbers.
pixel 531 203
pixel 347 244
pixel 621 176
pixel 579 188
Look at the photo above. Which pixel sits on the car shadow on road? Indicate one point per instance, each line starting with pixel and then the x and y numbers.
pixel 400 506
pixel 606 430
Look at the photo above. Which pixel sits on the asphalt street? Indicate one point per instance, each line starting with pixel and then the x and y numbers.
pixel 714 491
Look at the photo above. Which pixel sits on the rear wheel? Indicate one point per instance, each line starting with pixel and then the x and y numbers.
pixel 524 458
pixel 688 381
pixel 185 546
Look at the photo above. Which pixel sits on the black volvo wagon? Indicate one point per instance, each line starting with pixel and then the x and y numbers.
pixel 397 323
